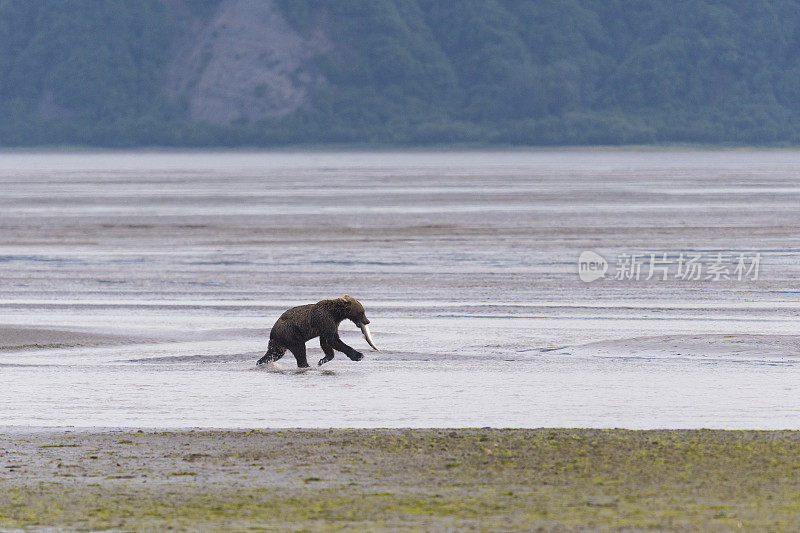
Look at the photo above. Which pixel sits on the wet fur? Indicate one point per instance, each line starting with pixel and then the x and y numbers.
pixel 299 325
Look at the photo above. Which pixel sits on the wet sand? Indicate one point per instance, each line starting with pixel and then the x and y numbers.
pixel 773 348
pixel 137 289
pixel 19 338
pixel 432 480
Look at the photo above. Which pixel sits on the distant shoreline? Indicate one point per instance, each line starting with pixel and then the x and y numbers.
pixel 390 478
pixel 400 148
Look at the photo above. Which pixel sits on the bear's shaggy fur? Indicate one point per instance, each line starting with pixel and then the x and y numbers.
pixel 299 325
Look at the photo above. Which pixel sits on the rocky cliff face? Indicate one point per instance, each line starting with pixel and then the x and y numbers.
pixel 241 61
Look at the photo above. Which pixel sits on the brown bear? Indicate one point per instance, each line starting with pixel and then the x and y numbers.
pixel 299 325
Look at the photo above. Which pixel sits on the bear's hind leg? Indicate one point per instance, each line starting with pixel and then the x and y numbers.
pixel 274 352
pixel 299 351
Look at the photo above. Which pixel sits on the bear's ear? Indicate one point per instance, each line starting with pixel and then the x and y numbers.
pixel 351 302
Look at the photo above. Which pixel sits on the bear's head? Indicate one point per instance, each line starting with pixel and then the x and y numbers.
pixel 354 311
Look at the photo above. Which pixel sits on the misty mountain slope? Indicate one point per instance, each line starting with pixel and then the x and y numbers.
pixel 248 72
pixel 243 62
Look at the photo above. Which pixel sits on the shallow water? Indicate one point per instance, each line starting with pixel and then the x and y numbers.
pixel 466 264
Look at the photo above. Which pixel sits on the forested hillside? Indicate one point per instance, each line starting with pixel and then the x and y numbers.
pixel 243 72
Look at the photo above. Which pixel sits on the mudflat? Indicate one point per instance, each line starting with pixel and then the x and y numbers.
pixel 21 338
pixel 137 289
pixel 426 479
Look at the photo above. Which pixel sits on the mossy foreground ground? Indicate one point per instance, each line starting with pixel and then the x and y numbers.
pixel 482 479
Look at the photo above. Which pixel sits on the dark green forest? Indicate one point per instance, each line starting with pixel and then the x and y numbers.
pixel 416 72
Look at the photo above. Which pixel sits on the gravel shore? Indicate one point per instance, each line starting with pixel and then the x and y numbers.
pixel 481 479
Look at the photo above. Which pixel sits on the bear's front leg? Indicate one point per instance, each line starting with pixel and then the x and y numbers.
pixel 326 347
pixel 338 344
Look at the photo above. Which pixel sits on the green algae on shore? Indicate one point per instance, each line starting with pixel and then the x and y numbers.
pixel 419 479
